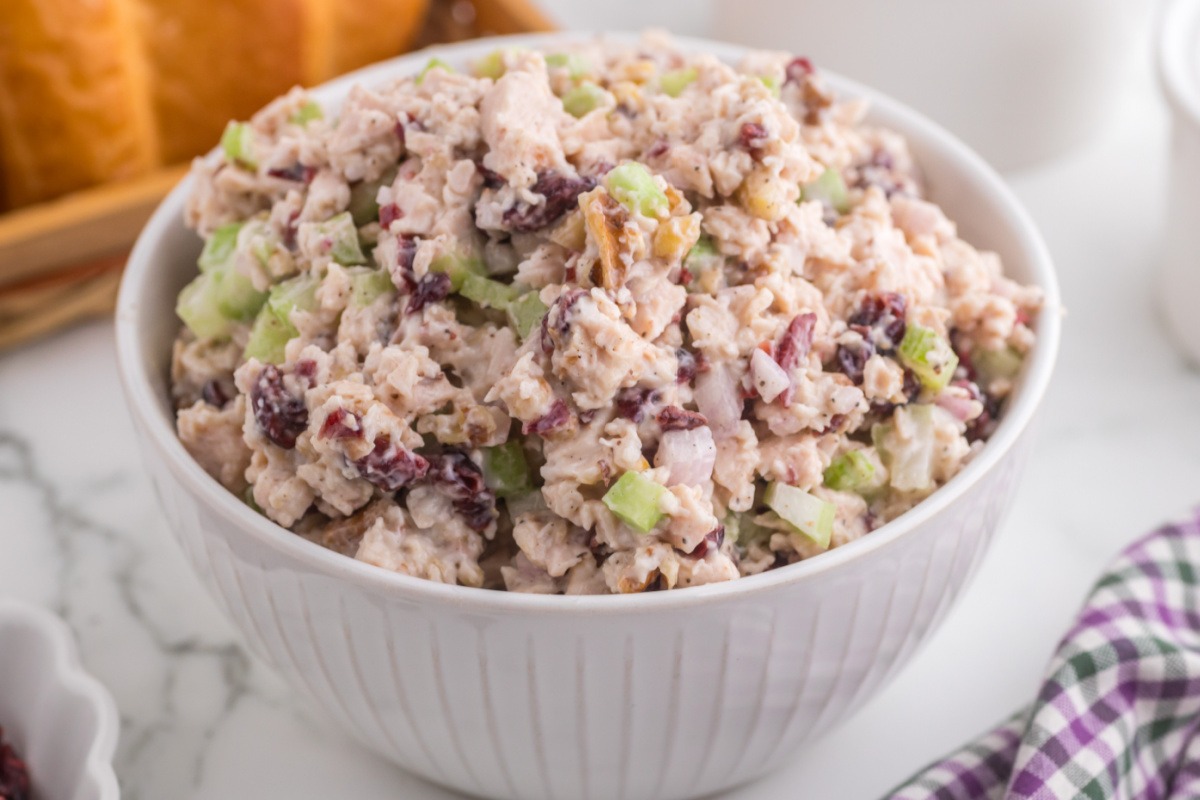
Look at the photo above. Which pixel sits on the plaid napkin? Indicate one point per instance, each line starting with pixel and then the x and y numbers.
pixel 1118 713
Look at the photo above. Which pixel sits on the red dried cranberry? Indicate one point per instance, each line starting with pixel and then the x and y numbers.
pixel 280 415
pixel 674 418
pixel 687 369
pixel 289 230
pixel 631 403
pixel 659 148
pixel 557 417
pixel 431 288
pixel 796 341
pixel 798 69
pixel 390 466
pixel 711 543
pixel 884 316
pixel 559 193
pixel 752 137
pixel 341 424
pixel 685 276
pixel 983 426
pixel 215 393
pixel 912 386
pixel 852 359
pixel 455 474
pixel 388 214
pixel 14 775
pixel 306 369
pixel 558 319
pixel 296 172
pixel 491 179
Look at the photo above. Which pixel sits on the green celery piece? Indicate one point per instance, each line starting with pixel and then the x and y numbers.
pixel 771 83
pixel 505 470
pixel 197 307
pixel 487 292
pixel 634 498
pixel 576 65
pixel 829 189
pixel 583 98
pixel 306 113
pixel 910 463
pixel 850 472
pixel 674 82
pixel 994 364
pixel 490 66
pixel 364 207
pixel 458 266
pixel 525 314
pixel 237 142
pixel 236 297
pixel 433 63
pixel 220 247
pixel 248 499
pixel 634 187
pixel 343 237
pixel 299 292
pixel 929 356
pixel 703 256
pixel 367 285
pixel 808 514
pixel 269 337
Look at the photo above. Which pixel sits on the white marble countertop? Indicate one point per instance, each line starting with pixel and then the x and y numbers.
pixel 81 533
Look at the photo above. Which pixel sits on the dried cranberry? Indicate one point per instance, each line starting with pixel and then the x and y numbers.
pixel 796 341
pixel 341 424
pixel 912 386
pixel 852 359
pixel 674 418
pixel 711 543
pixel 390 466
pixel 388 214
pixel 685 276
pixel 631 403
pixel 558 319
pixel 454 473
pixel 491 178
pixel 280 415
pixel 883 315
pixel 798 69
pixel 14 775
pixel 559 193
pixel 659 148
pixel 215 393
pixel 433 287
pixel 557 417
pixel 752 137
pixel 687 369
pixel 290 230
pixel 296 172
pixel 983 426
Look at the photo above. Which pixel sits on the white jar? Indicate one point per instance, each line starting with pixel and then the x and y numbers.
pixel 1179 71
pixel 1019 80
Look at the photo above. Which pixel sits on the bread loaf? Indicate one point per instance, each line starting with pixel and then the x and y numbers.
pixel 97 90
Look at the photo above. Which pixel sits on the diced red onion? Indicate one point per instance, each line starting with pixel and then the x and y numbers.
pixel 719 399
pixel 961 407
pixel 769 378
pixel 690 455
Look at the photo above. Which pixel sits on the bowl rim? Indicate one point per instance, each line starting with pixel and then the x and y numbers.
pixel 144 404
pixel 1178 30
pixel 70 677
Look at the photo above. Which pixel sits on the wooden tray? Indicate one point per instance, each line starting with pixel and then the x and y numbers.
pixel 61 261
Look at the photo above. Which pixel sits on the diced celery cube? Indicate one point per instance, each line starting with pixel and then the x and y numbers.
pixel 576 65
pixel 220 246
pixel 991 365
pixel 237 142
pixel 300 292
pixel 237 299
pixel 342 235
pixel 307 113
pixel 808 514
pixel 487 292
pixel 364 202
pixel 269 337
pixel 772 84
pixel 490 66
pixel 458 265
pixel 634 498
pixel 634 187
pixel 674 82
pixel 929 356
pixel 910 460
pixel 505 470
pixel 367 285
pixel 525 314
pixel 850 472
pixel 197 307
pixel 432 64
pixel 829 189
pixel 703 256
pixel 583 98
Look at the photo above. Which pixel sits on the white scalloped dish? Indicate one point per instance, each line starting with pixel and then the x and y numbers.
pixel 60 719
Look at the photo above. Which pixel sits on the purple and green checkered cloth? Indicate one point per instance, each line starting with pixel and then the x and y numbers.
pixel 1119 711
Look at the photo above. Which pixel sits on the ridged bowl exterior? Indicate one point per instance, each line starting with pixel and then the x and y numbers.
pixel 670 695
pixel 652 705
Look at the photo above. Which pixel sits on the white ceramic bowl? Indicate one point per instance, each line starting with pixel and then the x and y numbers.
pixel 664 695
pixel 60 719
pixel 1179 72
